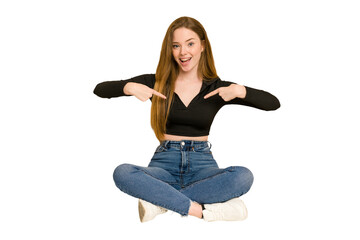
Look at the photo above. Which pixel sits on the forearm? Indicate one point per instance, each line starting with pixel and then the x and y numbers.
pixel 110 89
pixel 261 99
pixel 253 97
pixel 117 88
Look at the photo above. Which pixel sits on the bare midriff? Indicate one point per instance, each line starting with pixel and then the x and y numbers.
pixel 179 138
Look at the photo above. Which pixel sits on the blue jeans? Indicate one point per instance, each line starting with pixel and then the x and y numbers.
pixel 180 172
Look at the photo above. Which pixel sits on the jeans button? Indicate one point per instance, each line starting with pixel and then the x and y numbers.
pixel 182 143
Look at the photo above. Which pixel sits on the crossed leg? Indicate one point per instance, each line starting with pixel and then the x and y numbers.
pixel 219 185
pixel 156 185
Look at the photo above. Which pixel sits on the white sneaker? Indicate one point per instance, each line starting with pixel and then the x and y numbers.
pixel 148 211
pixel 232 210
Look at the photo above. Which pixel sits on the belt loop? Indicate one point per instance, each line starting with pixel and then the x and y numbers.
pixel 210 144
pixel 165 143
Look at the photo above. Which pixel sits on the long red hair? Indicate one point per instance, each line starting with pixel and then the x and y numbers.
pixel 168 70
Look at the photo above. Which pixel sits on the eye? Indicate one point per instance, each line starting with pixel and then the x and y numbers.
pixel 175 46
pixel 191 44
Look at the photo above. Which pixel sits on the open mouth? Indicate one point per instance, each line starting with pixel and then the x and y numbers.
pixel 185 59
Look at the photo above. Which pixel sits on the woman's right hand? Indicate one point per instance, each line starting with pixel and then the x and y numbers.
pixel 140 91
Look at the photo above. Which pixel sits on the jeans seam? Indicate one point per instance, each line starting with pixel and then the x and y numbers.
pixel 201 180
pixel 157 178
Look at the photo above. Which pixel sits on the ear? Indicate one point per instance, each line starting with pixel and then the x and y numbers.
pixel 202 45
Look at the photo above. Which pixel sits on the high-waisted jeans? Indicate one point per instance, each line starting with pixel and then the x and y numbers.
pixel 181 172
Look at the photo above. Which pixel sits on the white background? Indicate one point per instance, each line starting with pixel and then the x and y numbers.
pixel 60 143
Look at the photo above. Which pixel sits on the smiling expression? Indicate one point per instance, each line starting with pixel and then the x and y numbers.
pixel 186 49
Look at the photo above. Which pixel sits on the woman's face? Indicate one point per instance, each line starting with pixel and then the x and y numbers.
pixel 186 49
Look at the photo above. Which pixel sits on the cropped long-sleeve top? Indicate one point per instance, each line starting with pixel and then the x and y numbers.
pixel 195 119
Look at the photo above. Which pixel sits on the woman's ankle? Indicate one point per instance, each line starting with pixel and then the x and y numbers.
pixel 195 210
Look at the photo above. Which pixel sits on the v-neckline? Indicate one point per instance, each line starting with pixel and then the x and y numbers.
pixel 187 107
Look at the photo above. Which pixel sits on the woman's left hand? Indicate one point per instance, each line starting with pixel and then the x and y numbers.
pixel 229 93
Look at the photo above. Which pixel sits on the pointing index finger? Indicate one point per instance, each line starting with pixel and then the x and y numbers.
pixel 159 94
pixel 216 91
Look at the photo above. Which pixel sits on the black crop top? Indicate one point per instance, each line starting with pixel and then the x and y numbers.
pixel 195 119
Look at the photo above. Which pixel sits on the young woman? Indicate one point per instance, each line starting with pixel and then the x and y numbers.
pixel 186 94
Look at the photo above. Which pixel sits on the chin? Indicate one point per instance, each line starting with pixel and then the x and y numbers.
pixel 188 69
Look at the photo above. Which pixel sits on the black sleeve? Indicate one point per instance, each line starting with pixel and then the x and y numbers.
pixel 110 89
pixel 255 98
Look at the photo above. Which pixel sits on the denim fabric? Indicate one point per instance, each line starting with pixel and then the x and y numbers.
pixel 180 172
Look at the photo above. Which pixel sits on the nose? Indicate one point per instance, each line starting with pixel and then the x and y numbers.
pixel 183 50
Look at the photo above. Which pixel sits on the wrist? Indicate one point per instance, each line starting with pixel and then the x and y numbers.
pixel 240 91
pixel 126 88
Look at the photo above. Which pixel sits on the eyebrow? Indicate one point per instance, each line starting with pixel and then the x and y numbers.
pixel 186 40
